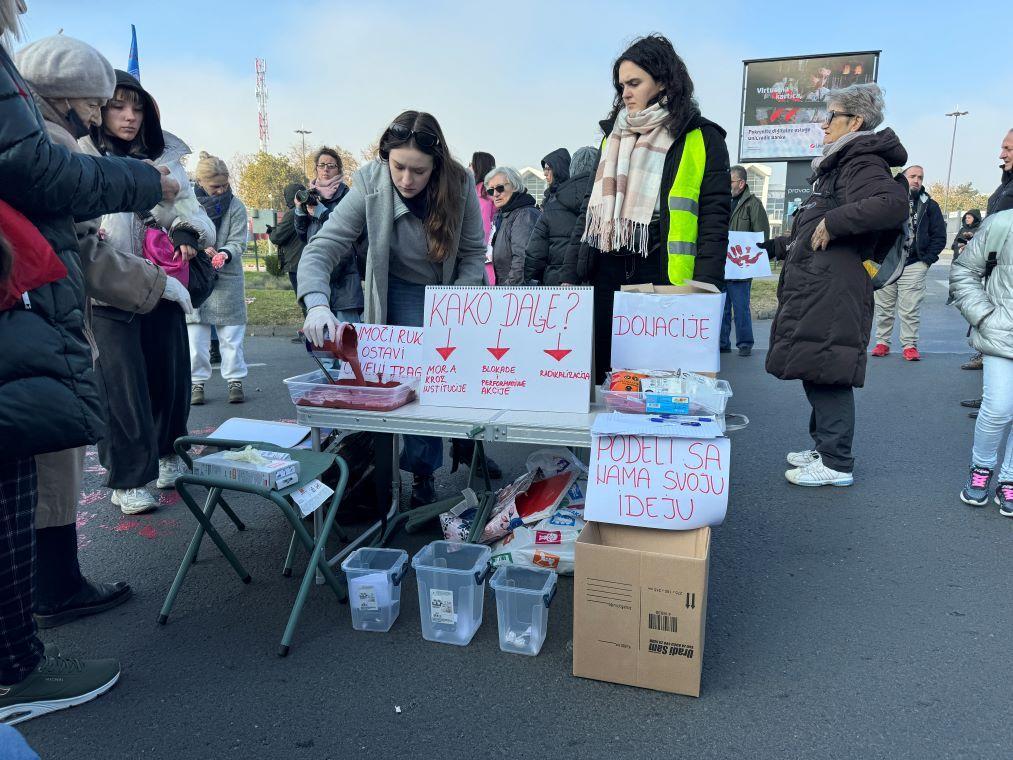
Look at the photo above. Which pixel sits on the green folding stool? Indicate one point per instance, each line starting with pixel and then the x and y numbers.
pixel 311 466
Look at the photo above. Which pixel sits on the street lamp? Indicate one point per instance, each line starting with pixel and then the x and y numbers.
pixel 956 115
pixel 304 132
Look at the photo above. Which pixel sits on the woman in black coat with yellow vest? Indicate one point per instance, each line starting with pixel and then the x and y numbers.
pixel 820 333
pixel 658 208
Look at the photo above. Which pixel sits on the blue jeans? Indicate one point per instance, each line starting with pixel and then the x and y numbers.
pixel 421 455
pixel 737 301
pixel 994 417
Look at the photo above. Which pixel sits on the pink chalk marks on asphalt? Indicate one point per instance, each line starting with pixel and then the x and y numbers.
pixel 168 498
pixel 95 468
pixel 144 527
pixel 92 497
pixel 83 521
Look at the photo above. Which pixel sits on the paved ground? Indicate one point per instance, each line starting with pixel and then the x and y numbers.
pixel 868 622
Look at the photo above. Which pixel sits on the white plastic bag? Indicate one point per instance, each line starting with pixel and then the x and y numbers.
pixel 549 544
pixel 553 462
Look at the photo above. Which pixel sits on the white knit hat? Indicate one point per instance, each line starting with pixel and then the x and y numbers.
pixel 63 67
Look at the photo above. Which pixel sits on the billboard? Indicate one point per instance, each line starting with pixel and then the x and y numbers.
pixel 784 102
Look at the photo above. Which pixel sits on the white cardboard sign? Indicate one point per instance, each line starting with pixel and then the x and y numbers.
pixel 390 350
pixel 664 483
pixel 745 259
pixel 657 331
pixel 508 348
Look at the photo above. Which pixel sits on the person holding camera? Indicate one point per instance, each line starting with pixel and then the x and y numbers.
pixel 420 212
pixel 313 206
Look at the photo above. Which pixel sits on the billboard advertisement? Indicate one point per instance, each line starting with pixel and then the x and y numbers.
pixel 784 102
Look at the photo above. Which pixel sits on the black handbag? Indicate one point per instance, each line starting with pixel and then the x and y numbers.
pixel 203 278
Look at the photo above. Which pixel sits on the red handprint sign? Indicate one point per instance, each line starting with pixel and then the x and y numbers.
pixel 745 259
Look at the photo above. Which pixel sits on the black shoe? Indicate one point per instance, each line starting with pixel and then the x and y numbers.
pixel 745 350
pixel 726 350
pixel 423 490
pixel 973 415
pixel 91 599
pixel 971 403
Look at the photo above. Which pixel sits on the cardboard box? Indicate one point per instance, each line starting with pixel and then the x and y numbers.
pixel 640 606
pixel 276 474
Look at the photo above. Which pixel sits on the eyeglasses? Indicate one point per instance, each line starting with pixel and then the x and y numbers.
pixel 327 166
pixel 496 189
pixel 831 115
pixel 425 140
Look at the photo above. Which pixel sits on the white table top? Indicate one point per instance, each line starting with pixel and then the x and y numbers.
pixel 549 428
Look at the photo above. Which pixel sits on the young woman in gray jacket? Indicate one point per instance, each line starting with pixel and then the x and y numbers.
pixel 981 286
pixel 424 226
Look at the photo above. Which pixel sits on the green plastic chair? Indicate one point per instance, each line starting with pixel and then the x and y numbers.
pixel 311 466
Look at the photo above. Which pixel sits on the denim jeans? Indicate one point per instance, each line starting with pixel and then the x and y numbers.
pixel 421 455
pixel 994 417
pixel 737 302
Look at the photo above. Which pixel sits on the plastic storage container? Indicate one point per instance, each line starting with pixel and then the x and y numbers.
pixel 523 596
pixel 312 389
pixel 451 578
pixel 696 395
pixel 374 586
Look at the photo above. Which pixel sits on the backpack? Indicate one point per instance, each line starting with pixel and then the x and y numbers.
pixel 885 263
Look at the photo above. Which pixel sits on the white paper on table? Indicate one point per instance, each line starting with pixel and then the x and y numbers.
pixel 661 425
pixel 660 331
pixel 745 259
pixel 311 496
pixel 283 434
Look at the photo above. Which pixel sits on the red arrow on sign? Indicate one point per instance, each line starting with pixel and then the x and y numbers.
pixel 497 351
pixel 447 350
pixel 558 353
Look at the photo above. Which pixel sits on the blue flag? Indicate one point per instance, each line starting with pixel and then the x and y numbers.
pixel 133 67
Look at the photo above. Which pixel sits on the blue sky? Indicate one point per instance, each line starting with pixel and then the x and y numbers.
pixel 518 79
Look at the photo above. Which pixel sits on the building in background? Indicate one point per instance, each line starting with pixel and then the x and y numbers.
pixel 775 209
pixel 534 181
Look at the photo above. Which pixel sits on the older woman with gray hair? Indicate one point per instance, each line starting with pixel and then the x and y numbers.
pixel 824 317
pixel 516 216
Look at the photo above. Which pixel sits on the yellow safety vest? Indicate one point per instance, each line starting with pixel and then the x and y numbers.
pixel 684 208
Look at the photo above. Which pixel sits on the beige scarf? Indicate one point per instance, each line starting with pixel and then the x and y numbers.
pixel 628 182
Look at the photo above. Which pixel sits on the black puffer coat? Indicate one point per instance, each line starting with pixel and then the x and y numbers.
pixel 824 315
pixel 1002 198
pixel 550 239
pixel 48 397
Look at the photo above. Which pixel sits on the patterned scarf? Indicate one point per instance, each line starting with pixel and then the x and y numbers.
pixel 328 188
pixel 836 145
pixel 214 205
pixel 628 182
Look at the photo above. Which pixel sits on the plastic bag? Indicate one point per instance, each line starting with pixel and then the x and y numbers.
pixel 549 544
pixel 551 462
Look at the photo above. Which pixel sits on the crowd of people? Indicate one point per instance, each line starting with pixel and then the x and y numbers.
pixel 116 267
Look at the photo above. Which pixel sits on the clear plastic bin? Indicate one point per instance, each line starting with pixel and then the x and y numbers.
pixel 696 395
pixel 312 389
pixel 523 596
pixel 451 578
pixel 374 586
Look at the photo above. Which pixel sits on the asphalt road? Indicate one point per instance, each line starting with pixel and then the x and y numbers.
pixel 867 622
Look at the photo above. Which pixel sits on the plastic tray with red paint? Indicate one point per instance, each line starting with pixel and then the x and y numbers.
pixel 311 389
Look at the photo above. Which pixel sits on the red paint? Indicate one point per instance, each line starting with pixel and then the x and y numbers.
pixel 90 498
pixel 147 532
pixel 169 498
pixel 125 525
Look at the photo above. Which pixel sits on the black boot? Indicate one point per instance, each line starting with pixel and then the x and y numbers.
pixel 62 593
pixel 423 490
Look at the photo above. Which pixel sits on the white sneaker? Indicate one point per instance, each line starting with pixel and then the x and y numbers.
pixel 818 474
pixel 802 458
pixel 168 470
pixel 134 501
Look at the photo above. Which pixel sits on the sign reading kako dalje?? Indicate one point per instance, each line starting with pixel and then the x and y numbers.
pixel 745 259
pixel 666 483
pixel 659 331
pixel 508 348
pixel 388 350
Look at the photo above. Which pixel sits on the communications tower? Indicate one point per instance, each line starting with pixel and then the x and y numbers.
pixel 262 102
